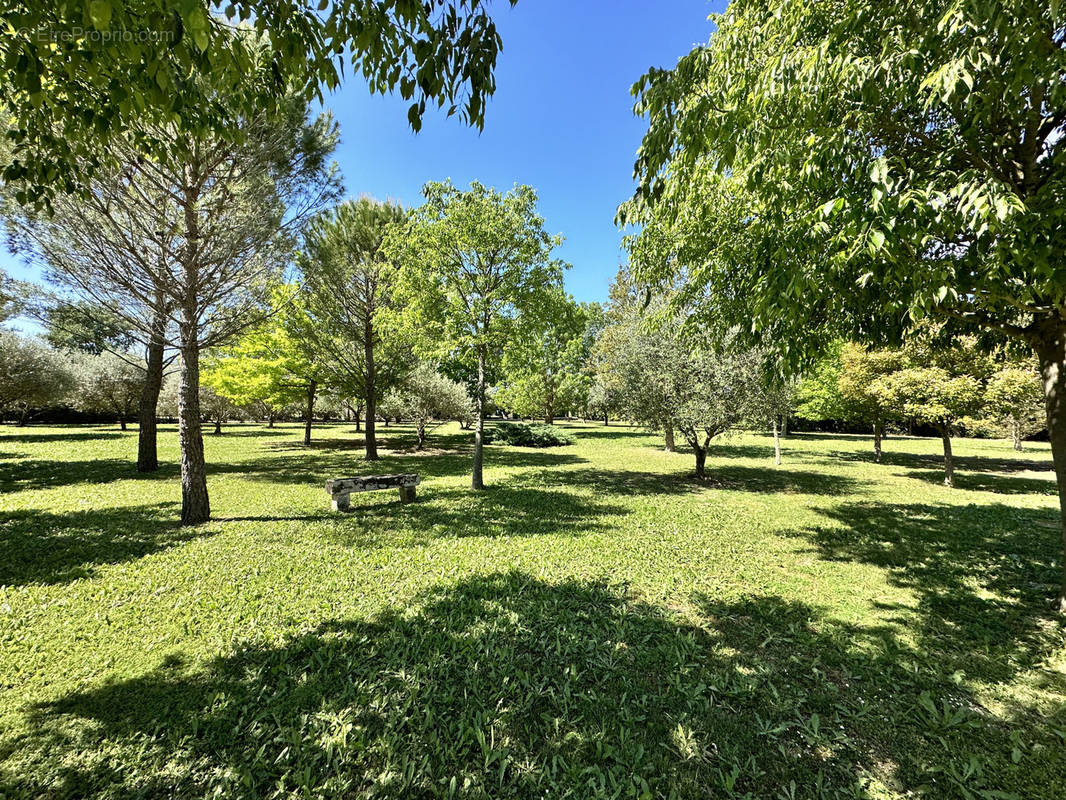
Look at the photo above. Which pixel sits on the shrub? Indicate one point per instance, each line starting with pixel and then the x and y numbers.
pixel 521 434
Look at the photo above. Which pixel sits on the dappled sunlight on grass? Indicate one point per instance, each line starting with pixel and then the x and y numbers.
pixel 597 623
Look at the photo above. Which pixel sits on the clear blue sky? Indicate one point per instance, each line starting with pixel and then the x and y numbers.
pixel 561 120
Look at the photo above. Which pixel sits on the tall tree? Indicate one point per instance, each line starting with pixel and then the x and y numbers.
pixel 75 76
pixel 848 168
pixel 184 248
pixel 472 265
pixel 349 283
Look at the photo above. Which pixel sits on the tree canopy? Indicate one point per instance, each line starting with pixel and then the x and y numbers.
pixel 74 75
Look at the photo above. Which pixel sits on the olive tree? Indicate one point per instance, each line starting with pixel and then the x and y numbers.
pixel 426 397
pixel 32 375
pixel 109 383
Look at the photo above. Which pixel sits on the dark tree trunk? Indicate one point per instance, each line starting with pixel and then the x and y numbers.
pixel 147 451
pixel 195 504
pixel 701 460
pixel 121 422
pixel 421 434
pixel 270 421
pixel 879 430
pixel 777 444
pixel 668 438
pixel 1051 348
pixel 309 412
pixel 358 421
pixel 949 460
pixel 606 419
pixel 784 426
pixel 218 427
pixel 477 480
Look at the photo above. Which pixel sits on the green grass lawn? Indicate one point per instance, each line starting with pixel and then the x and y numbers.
pixel 596 624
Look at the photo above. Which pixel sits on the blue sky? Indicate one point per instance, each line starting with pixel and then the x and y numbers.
pixel 561 120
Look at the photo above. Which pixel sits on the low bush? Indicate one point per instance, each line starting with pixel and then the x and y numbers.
pixel 523 434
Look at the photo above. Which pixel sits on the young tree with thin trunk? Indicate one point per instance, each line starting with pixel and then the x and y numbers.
pixel 428 399
pixel 932 396
pixel 348 283
pixel 472 264
pixel 1014 397
pixel 856 381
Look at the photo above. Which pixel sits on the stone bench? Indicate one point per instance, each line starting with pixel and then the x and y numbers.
pixel 340 489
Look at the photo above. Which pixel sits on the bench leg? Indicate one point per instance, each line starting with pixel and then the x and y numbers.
pixel 407 494
pixel 342 502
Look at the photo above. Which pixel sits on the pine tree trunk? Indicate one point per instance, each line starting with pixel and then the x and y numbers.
pixel 309 412
pixel 195 503
pixel 147 432
pixel 477 480
pixel 1052 352
pixel 777 444
pixel 878 433
pixel 949 460
pixel 668 437
pixel 371 389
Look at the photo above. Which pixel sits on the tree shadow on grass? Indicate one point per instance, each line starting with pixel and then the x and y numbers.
pixel 507 685
pixel 989 482
pixel 17 476
pixel 500 510
pixel 781 480
pixel 983 577
pixel 932 461
pixel 72 436
pixel 41 547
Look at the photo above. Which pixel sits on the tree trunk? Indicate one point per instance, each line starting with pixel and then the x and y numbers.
pixel 777 443
pixel 121 422
pixel 1016 434
pixel 358 421
pixel 310 411
pixel 195 504
pixel 606 419
pixel 949 461
pixel 371 391
pixel 549 419
pixel 421 434
pixel 784 425
pixel 218 427
pixel 147 452
pixel 1051 348
pixel 477 480
pixel 270 421
pixel 879 429
pixel 701 460
pixel 668 437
